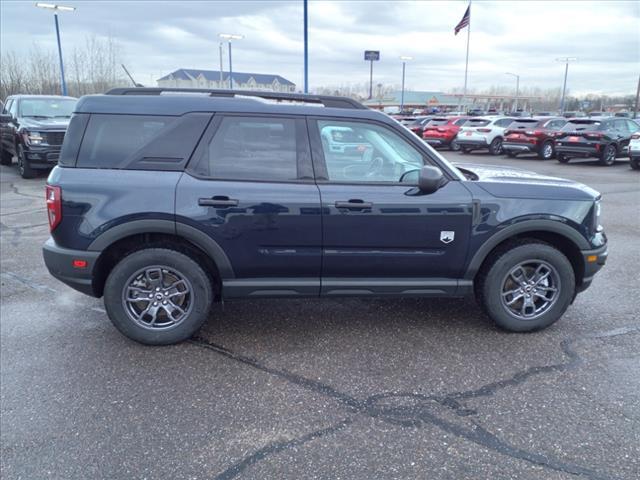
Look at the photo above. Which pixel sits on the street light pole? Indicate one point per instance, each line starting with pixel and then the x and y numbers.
pixel 404 65
pixel 566 61
pixel 229 37
pixel 56 8
pixel 515 107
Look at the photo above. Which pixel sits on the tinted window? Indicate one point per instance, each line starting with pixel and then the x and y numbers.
pixel 380 155
pixel 460 122
pixel 245 148
pixel 523 124
pixel 5 108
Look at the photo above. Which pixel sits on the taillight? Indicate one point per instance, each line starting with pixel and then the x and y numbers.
pixel 594 136
pixel 535 133
pixel 54 205
pixel 483 130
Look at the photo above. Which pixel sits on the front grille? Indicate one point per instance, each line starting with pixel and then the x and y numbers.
pixel 54 138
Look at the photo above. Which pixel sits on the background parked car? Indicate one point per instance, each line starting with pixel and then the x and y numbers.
pixel 532 135
pixel 34 131
pixel 442 131
pixel 574 114
pixel 634 151
pixel 604 139
pixel 417 126
pixel 483 133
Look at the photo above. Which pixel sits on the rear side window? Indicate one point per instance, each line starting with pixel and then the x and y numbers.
pixel 254 148
pixel 140 142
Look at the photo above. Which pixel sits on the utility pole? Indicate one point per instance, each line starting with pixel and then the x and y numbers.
pixel 566 61
pixel 56 9
pixel 404 65
pixel 306 47
pixel 221 77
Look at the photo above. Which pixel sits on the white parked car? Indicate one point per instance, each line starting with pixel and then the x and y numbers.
pixel 634 151
pixel 483 133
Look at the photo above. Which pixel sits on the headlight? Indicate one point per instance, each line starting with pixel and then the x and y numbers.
pixel 597 211
pixel 34 138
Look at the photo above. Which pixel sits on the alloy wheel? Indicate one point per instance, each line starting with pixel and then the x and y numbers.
pixel 530 289
pixel 157 297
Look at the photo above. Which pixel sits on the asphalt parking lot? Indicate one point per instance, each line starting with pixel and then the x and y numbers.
pixel 339 388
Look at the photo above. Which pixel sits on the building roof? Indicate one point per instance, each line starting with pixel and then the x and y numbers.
pixel 414 98
pixel 214 75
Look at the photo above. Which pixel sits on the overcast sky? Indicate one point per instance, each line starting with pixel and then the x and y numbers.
pixel 523 37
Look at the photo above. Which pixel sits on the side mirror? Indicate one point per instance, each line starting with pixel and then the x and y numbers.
pixel 430 179
pixel 5 118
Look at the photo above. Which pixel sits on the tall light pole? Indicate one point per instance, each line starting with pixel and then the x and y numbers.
pixel 56 8
pixel 404 59
pixel 515 108
pixel 229 37
pixel 220 48
pixel 566 61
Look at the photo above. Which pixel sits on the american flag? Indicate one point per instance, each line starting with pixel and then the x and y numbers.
pixel 466 18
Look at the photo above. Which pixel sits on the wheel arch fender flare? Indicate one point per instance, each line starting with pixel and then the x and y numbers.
pixel 539 225
pixel 193 235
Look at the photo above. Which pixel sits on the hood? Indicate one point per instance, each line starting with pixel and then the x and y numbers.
pixel 517 183
pixel 31 123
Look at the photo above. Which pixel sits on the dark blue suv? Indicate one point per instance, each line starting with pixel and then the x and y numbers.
pixel 165 201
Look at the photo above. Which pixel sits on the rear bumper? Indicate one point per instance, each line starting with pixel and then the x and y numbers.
pixel 473 143
pixel 593 260
pixel 60 263
pixel 519 147
pixel 577 151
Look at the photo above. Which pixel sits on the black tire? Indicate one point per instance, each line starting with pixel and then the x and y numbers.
pixel 494 275
pixel 465 149
pixel 196 304
pixel 635 163
pixel 562 158
pixel 608 155
pixel 454 146
pixel 24 169
pixel 512 154
pixel 495 148
pixel 5 157
pixel 546 151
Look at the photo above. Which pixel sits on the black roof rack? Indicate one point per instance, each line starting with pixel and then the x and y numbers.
pixel 326 100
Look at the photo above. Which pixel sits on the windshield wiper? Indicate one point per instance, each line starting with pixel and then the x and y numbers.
pixel 61 116
pixel 37 116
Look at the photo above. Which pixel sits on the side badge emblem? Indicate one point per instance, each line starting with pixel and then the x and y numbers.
pixel 447 236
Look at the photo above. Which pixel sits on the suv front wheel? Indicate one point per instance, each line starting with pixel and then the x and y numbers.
pixel 495 148
pixel 158 296
pixel 526 286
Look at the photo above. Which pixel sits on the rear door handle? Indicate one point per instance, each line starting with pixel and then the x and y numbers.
pixel 219 201
pixel 354 204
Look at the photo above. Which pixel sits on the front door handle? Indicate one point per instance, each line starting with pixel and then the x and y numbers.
pixel 218 201
pixel 354 204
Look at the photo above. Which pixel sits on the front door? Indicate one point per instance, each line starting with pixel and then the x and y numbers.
pixel 378 229
pixel 250 188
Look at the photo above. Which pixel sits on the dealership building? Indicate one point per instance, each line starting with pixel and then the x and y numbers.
pixel 192 78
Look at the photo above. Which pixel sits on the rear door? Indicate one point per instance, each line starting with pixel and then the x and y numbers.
pixel 250 188
pixel 380 235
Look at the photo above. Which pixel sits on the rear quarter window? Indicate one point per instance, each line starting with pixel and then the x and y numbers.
pixel 141 142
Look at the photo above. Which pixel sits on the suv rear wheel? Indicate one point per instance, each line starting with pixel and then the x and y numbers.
pixel 546 150
pixel 562 158
pixel 496 146
pixel 5 157
pixel 635 163
pixel 608 155
pixel 526 286
pixel 158 296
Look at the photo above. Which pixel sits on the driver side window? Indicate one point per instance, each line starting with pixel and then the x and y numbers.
pixel 364 152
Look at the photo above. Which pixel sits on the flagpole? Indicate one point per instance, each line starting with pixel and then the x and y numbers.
pixel 466 65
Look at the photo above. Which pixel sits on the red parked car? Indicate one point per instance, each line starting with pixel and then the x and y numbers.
pixel 442 131
pixel 533 135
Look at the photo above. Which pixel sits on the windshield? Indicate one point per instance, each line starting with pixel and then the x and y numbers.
pixel 47 107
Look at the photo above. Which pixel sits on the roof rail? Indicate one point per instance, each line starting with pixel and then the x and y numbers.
pixel 326 100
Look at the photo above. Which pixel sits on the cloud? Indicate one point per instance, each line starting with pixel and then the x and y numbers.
pixel 524 37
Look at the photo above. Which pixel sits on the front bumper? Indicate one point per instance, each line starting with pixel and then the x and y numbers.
pixel 60 263
pixel 43 157
pixel 593 260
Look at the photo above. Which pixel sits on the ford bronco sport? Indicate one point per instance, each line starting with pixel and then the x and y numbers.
pixel 165 201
